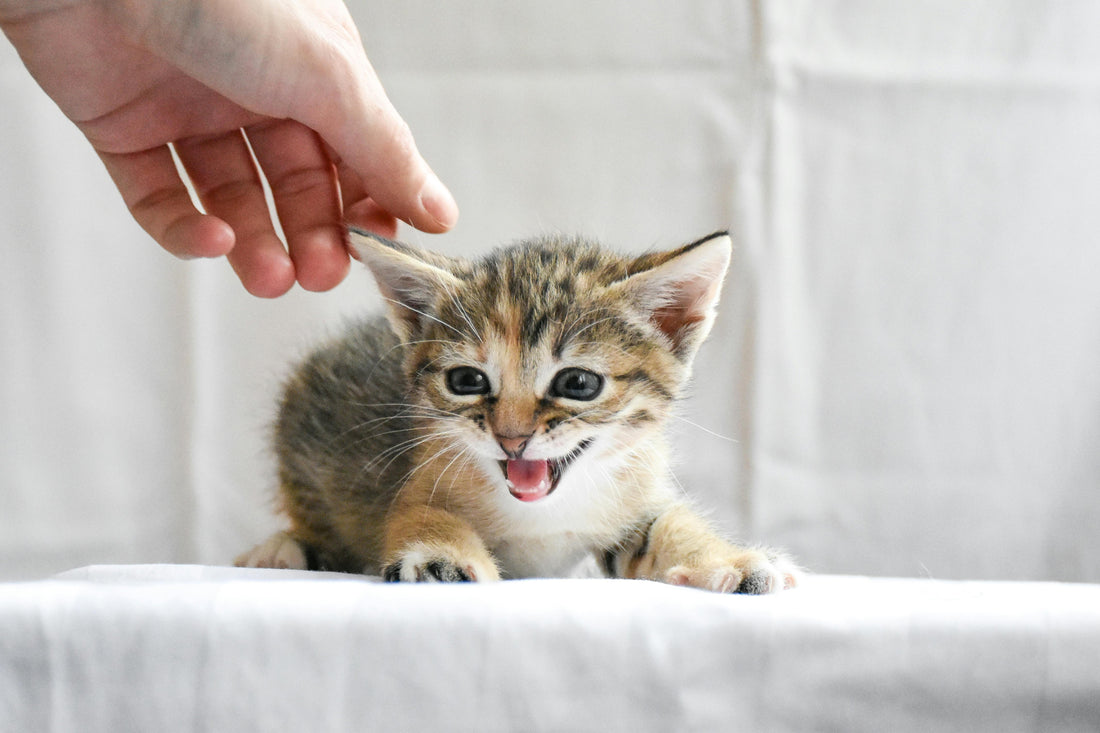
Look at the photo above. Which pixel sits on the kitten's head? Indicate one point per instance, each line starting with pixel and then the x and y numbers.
pixel 547 350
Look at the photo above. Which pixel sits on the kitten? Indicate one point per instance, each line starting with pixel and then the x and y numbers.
pixel 508 421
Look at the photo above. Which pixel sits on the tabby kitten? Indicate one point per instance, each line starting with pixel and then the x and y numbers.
pixel 507 422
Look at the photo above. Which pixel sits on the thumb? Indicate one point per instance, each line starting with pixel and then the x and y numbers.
pixel 373 141
pixel 343 100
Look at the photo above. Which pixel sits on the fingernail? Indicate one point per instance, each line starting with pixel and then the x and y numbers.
pixel 438 202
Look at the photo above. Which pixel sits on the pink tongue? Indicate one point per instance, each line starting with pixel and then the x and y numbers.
pixel 529 480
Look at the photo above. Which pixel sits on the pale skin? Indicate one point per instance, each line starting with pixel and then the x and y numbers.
pixel 291 76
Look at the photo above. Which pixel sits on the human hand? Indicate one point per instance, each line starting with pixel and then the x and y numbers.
pixel 204 75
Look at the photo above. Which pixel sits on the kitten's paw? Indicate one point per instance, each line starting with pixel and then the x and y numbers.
pixel 752 572
pixel 279 550
pixel 424 565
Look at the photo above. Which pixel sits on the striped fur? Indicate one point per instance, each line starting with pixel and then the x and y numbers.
pixel 385 468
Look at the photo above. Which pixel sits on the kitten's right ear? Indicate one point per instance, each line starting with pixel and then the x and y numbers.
pixel 410 279
pixel 678 290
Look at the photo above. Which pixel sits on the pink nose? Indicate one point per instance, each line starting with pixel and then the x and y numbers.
pixel 513 447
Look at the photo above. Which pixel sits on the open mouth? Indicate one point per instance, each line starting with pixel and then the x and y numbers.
pixel 537 479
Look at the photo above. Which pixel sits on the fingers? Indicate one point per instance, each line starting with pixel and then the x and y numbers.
pixel 238 224
pixel 395 176
pixel 372 217
pixel 228 184
pixel 366 132
pixel 359 209
pixel 159 202
pixel 304 188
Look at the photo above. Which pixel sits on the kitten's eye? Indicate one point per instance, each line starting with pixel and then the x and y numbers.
pixel 466 380
pixel 576 384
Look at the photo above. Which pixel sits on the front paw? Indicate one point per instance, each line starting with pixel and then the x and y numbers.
pixel 280 550
pixel 423 565
pixel 752 572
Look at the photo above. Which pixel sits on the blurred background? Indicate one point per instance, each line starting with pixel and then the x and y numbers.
pixel 905 374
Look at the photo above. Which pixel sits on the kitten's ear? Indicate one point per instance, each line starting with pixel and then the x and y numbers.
pixel 410 279
pixel 678 290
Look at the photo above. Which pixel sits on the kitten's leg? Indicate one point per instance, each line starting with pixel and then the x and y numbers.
pixel 678 547
pixel 280 550
pixel 426 544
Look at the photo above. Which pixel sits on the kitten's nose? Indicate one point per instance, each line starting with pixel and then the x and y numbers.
pixel 513 447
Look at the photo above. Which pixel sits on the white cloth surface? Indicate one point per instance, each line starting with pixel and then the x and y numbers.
pixel 905 374
pixel 186 648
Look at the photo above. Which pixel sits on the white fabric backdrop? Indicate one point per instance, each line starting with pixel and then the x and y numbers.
pixel 906 368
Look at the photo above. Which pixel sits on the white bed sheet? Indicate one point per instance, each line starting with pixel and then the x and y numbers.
pixel 193 648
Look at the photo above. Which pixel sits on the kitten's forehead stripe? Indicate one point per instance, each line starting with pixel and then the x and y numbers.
pixel 558 283
pixel 534 327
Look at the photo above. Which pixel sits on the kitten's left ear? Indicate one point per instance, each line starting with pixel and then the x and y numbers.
pixel 678 290
pixel 410 279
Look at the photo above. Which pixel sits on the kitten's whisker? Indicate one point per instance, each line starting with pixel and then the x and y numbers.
pixel 706 430
pixel 426 462
pixel 442 473
pixel 592 325
pixel 403 482
pixel 404 405
pixel 407 415
pixel 396 451
pixel 467 461
pixel 462 312
pixel 441 357
pixel 363 425
pixel 606 345
pixel 447 445
pixel 585 314
pixel 409 422
pixel 401 345
pixel 429 316
pixel 676 480
pixel 393 453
